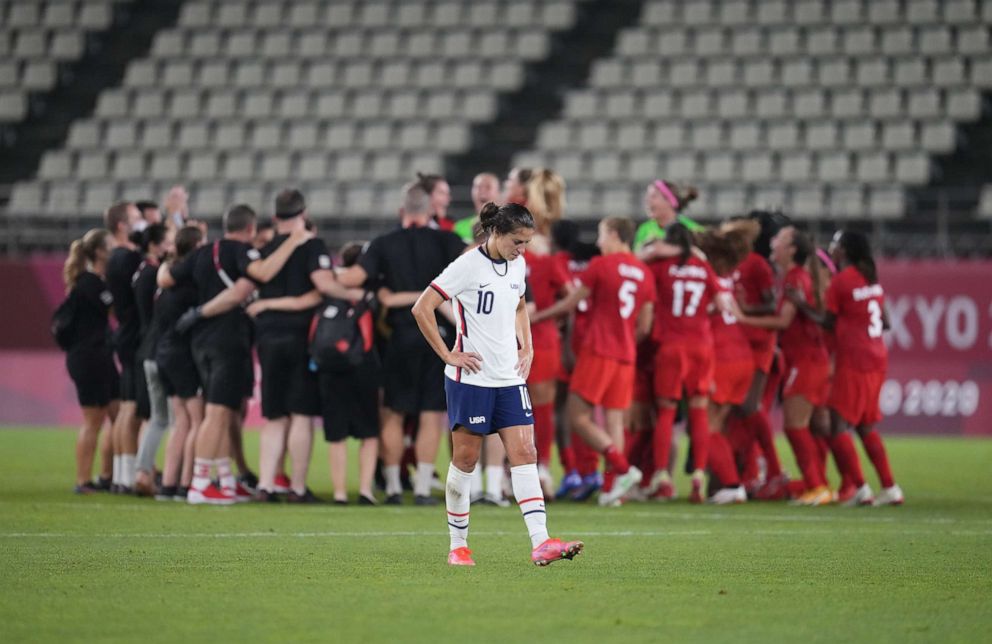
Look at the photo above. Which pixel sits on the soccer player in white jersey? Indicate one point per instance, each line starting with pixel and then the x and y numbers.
pixel 486 373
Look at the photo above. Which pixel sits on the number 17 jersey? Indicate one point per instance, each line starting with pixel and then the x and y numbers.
pixel 620 286
pixel 684 295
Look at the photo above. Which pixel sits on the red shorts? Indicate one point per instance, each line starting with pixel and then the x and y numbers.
pixel 854 395
pixel 603 381
pixel 545 365
pixel 731 381
pixel 764 356
pixel 809 379
pixel 688 367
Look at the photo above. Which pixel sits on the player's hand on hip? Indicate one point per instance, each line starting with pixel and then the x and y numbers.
pixel 467 360
pixel 524 361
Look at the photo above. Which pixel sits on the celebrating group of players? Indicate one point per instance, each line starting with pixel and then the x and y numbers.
pixel 667 320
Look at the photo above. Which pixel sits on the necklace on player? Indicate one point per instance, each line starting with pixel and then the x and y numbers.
pixel 493 262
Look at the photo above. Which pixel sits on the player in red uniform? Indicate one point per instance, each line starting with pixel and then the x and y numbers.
pixel 755 287
pixel 579 461
pixel 548 281
pixel 686 285
pixel 855 311
pixel 620 292
pixel 725 250
pixel 807 363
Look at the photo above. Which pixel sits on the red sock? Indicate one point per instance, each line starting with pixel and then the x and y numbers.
pixel 876 452
pixel 567 457
pixel 699 433
pixel 609 476
pixel 846 456
pixel 822 452
pixel 544 431
pixel 805 451
pixel 761 429
pixel 616 460
pixel 587 459
pixel 752 468
pixel 663 436
pixel 642 454
pixel 721 460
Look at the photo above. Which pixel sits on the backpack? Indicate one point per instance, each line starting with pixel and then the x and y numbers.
pixel 63 322
pixel 341 334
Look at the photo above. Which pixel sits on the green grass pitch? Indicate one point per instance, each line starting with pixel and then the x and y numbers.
pixel 122 569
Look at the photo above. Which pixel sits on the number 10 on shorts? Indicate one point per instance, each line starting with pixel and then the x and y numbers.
pixel 524 397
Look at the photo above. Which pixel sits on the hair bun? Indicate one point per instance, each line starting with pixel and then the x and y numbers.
pixel 488 212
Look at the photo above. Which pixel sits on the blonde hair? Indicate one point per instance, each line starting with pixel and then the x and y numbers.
pixel 546 198
pixel 81 251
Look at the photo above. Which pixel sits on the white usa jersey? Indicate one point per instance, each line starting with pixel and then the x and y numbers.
pixel 485 295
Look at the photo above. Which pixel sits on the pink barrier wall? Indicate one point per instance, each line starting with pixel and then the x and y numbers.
pixel 940 366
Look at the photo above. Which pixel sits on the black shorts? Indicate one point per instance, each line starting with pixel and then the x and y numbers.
pixel 95 375
pixel 350 402
pixel 413 375
pixel 223 369
pixel 129 377
pixel 141 397
pixel 178 373
pixel 288 385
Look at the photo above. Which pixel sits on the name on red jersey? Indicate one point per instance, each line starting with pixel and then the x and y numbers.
pixel 867 292
pixel 688 271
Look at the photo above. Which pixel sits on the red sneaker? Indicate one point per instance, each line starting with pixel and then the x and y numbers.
pixel 795 489
pixel 282 484
pixel 696 496
pixel 846 493
pixel 665 492
pixel 460 557
pixel 240 493
pixel 553 550
pixel 210 495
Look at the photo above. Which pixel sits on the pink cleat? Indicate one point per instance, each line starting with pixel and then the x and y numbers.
pixel 554 549
pixel 460 557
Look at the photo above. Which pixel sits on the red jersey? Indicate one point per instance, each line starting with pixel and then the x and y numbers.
pixel 574 269
pixel 803 339
pixel 684 295
pixel 729 342
pixel 858 308
pixel 546 279
pixel 753 278
pixel 620 285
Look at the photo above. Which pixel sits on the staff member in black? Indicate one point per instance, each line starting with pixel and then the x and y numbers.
pixel 225 273
pixel 89 358
pixel 177 372
pixel 283 312
pixel 124 260
pixel 157 242
pixel 404 262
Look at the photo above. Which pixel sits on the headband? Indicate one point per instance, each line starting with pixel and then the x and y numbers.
pixel 825 258
pixel 290 215
pixel 667 193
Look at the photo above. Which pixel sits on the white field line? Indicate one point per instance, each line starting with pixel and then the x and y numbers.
pixel 620 534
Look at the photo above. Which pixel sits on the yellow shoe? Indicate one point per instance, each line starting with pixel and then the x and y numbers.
pixel 817 496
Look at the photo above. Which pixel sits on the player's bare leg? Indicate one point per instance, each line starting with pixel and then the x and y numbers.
pixel 432 425
pixel 391 447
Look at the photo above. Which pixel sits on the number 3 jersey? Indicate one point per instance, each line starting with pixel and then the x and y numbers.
pixel 620 285
pixel 857 306
pixel 684 295
pixel 484 294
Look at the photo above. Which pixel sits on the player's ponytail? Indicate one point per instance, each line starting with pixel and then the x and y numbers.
pixel 678 195
pixel 545 198
pixel 857 251
pixel 679 235
pixel 805 255
pixel 81 252
pixel 503 220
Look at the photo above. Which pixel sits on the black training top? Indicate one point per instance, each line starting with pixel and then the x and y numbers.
pixel 120 271
pixel 169 305
pixel 199 268
pixel 292 280
pixel 407 259
pixel 145 288
pixel 90 326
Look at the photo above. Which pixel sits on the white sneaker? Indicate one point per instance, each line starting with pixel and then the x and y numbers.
pixel 889 496
pixel 636 493
pixel 493 499
pixel 729 495
pixel 863 496
pixel 621 486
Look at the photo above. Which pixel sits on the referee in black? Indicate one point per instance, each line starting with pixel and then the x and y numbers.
pixel 124 261
pixel 404 261
pixel 225 273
